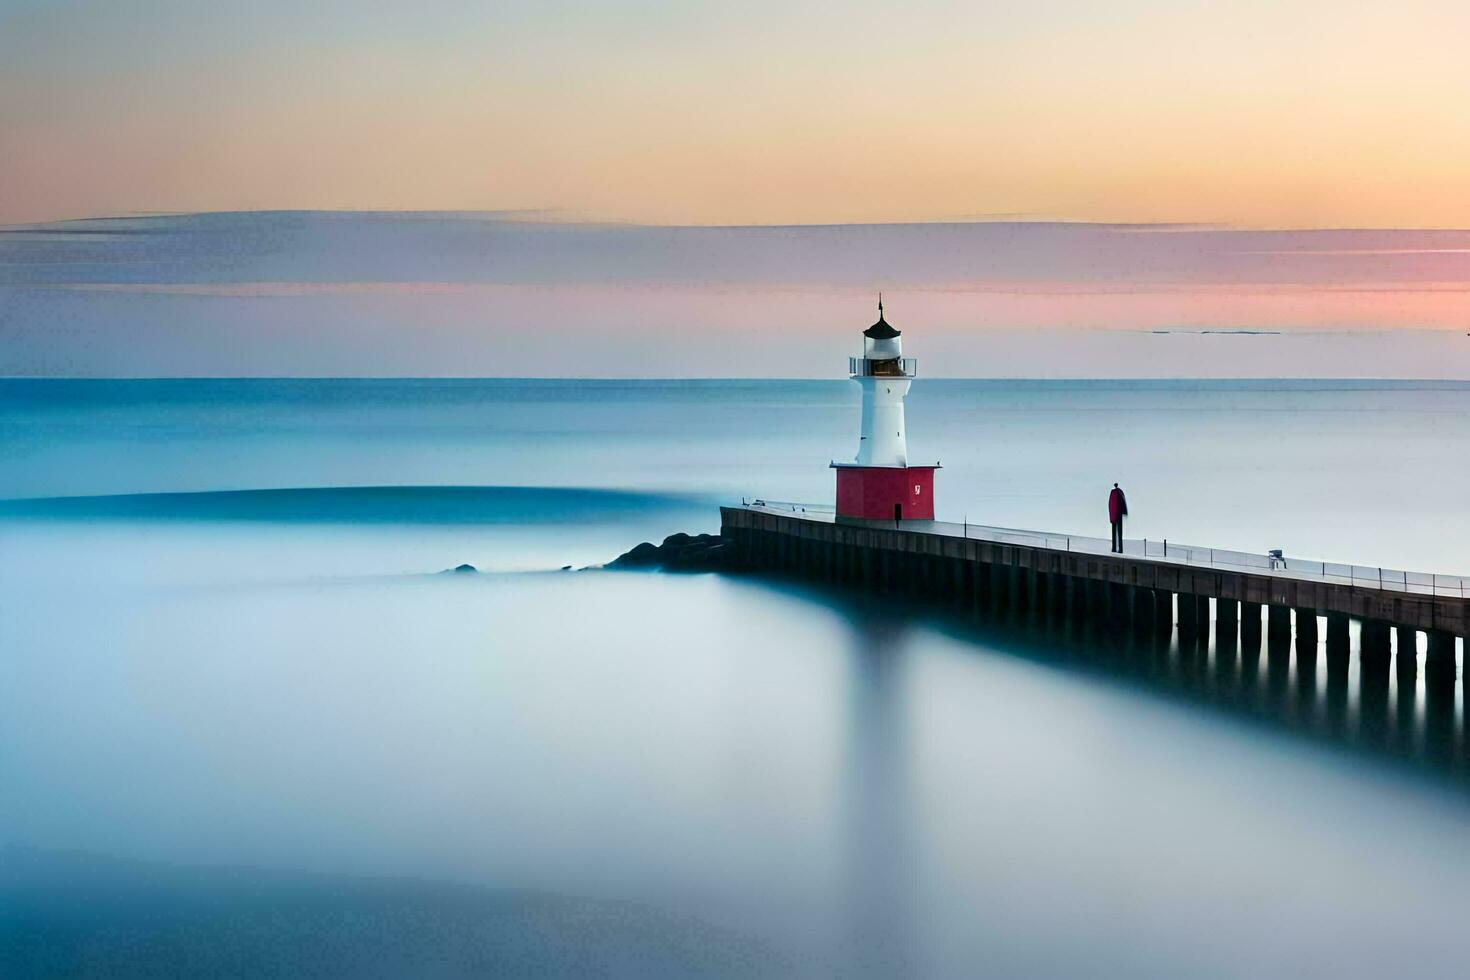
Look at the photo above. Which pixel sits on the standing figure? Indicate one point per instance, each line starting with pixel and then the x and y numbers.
pixel 1117 510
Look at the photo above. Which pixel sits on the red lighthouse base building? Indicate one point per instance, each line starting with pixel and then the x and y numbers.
pixel 885 493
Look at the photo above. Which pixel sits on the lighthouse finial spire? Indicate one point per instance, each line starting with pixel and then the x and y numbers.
pixel 880 304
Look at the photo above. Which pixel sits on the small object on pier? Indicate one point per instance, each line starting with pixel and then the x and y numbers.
pixel 1274 557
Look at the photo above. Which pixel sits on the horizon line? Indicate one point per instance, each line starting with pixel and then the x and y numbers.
pixel 671 379
pixel 525 216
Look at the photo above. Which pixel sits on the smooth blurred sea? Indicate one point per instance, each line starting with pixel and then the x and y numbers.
pixel 246 729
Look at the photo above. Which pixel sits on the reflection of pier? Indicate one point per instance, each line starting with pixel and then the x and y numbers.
pixel 1078 583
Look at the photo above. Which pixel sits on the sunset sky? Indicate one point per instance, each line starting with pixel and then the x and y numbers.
pixel 1261 113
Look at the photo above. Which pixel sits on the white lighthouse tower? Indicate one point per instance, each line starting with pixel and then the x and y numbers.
pixel 884 375
pixel 880 484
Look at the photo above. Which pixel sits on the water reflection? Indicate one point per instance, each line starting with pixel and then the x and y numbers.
pixel 1337 716
pixel 879 799
pixel 1375 703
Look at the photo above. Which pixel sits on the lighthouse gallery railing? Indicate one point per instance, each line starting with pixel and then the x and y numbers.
pixel 898 367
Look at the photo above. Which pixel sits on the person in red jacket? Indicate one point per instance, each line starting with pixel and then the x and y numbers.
pixel 1117 510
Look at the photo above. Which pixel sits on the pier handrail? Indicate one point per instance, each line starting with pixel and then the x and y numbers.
pixel 1378 577
pixel 794 507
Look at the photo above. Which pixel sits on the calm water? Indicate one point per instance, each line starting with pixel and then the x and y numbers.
pixel 253 732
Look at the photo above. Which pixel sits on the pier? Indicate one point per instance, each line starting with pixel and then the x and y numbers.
pixel 879 536
pixel 1151 587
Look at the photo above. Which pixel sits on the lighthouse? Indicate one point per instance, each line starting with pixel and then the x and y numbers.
pixel 880 484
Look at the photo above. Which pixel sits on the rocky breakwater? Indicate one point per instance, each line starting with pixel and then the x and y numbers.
pixel 678 553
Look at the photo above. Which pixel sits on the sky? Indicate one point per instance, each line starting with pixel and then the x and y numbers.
pixel 1262 113
pixel 1057 188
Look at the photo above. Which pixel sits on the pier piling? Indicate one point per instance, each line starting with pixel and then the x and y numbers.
pixel 1278 622
pixel 1339 641
pixel 1406 650
pixel 1306 633
pixel 1439 657
pixel 1250 627
pixel 1227 619
pixel 1163 612
pixel 1188 616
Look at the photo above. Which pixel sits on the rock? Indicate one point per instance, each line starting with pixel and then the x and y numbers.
pixel 566 568
pixel 699 559
pixel 679 552
pixel 460 570
pixel 643 555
